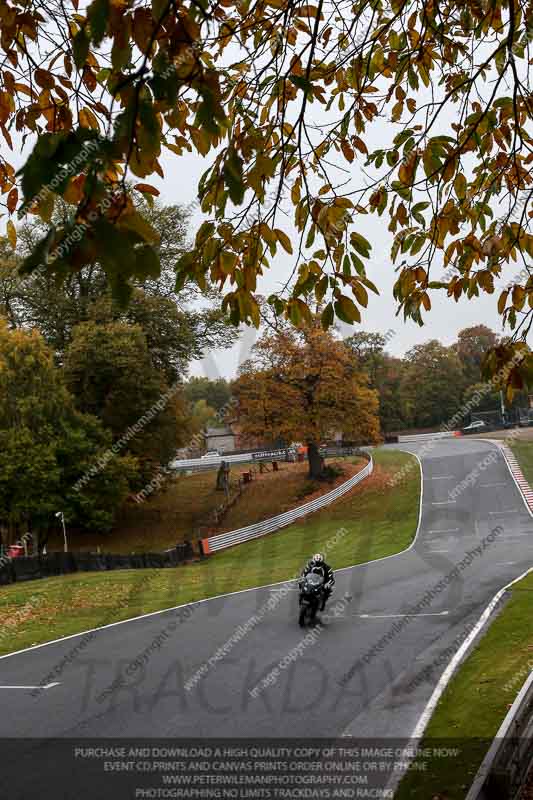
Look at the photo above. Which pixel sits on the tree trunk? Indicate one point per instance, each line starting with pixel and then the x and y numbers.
pixel 316 462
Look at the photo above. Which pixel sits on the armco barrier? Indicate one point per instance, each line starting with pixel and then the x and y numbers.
pixel 28 569
pixel 505 769
pixel 201 464
pixel 283 454
pixel 223 540
pixel 422 437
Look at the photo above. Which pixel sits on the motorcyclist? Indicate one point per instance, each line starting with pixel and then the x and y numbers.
pixel 318 565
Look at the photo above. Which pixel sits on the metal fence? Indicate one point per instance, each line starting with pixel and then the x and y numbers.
pixel 283 454
pixel 505 769
pixel 421 437
pixel 213 462
pixel 223 540
pixel 44 566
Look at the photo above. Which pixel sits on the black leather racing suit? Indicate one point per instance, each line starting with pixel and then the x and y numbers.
pixel 327 573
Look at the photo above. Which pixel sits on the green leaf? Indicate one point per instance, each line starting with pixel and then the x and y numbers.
pixel 327 317
pixel 358 264
pixel 98 14
pixel 159 7
pixel 80 48
pixel 233 179
pixel 52 154
pixel 321 288
pixel 206 230
pixel 346 310
pixel 39 255
pixel 369 285
pixel 302 83
pixel 361 244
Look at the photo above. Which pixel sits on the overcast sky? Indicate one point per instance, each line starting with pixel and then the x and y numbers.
pixel 444 321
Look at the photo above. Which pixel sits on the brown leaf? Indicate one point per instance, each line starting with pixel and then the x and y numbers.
pixel 44 79
pixel 12 200
pixel 147 189
pixel 349 154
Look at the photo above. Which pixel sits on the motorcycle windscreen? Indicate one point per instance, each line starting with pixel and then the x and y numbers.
pixel 314 581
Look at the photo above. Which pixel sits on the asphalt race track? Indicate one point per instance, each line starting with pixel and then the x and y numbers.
pixel 369 671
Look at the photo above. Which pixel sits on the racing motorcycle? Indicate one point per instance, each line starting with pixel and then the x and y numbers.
pixel 311 591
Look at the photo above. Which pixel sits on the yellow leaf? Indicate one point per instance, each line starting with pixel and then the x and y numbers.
pixel 519 297
pixel 459 185
pixel 88 120
pixel 295 192
pixel 397 111
pixel 284 240
pixel 11 234
pixel 360 293
pixel 502 302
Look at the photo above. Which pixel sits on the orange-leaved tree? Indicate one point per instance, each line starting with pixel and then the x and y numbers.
pixel 413 111
pixel 303 385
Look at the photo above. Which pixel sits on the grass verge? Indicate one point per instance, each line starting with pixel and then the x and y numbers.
pixel 476 701
pixel 523 451
pixel 371 521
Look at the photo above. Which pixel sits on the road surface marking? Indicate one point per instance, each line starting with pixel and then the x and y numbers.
pixel 392 616
pixel 443 502
pixel 442 478
pixel 47 686
pixel 195 603
pixel 509 511
pixel 446 530
pixel 439 551
pixel 491 485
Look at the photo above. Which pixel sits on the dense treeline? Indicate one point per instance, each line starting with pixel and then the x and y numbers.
pixel 92 397
pixel 425 388
pixel 432 382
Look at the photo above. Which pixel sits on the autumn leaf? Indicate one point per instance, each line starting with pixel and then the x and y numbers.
pixel 11 234
pixel 12 200
pixel 348 152
pixel 284 240
pixel 147 189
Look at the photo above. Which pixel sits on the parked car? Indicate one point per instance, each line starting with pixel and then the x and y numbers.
pixel 211 454
pixel 476 427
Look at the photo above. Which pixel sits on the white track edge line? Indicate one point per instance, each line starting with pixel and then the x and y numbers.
pixel 515 479
pixel 230 594
pixel 452 667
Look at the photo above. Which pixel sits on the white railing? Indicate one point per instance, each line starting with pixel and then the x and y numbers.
pixel 416 437
pixel 199 464
pixel 283 454
pixel 506 766
pixel 223 540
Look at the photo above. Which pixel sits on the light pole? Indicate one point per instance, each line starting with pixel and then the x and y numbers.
pixel 61 516
pixel 502 404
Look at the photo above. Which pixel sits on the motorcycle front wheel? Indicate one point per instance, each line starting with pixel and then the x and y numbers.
pixel 304 611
